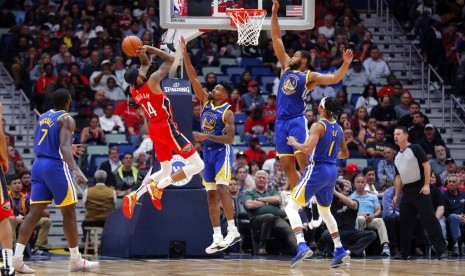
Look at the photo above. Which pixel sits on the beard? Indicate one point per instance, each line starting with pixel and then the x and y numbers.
pixel 294 66
pixel 441 158
pixel 210 96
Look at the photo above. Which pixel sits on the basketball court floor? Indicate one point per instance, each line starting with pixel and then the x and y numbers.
pixel 246 265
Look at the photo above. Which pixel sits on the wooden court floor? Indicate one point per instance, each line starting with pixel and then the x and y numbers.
pixel 257 266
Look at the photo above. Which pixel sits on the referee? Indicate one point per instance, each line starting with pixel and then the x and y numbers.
pixel 412 180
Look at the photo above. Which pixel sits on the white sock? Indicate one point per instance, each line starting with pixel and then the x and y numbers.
pixel 300 237
pixel 165 182
pixel 74 253
pixel 8 256
pixel 232 226
pixel 19 250
pixel 216 230
pixel 337 242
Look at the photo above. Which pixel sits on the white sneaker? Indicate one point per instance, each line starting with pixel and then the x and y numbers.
pixel 217 245
pixel 20 266
pixel 81 264
pixel 231 238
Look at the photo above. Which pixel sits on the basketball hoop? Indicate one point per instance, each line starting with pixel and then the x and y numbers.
pixel 249 24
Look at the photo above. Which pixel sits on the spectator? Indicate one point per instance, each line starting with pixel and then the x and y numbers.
pixel 20 204
pixel 235 101
pixel 83 57
pixel 100 102
pixel 359 120
pixel 369 213
pixel 196 110
pixel 10 137
pixel 326 68
pixel 356 148
pixel 269 112
pixel 418 128
pixel 7 19
pixel 135 29
pixel 255 124
pixel 376 147
pixel 127 176
pixel 59 58
pixel 454 211
pixel 12 157
pixel 126 109
pixel 25 177
pixel 451 168
pixel 321 91
pixel 142 164
pixel 386 168
pixel 407 120
pixel 388 89
pixel 86 33
pixel 43 84
pixel 364 51
pixel 39 69
pixel 372 186
pixel 92 66
pixel 19 167
pixel 397 92
pixel 310 117
pixel 241 160
pixel 343 120
pixel 403 108
pixel 111 165
pixel 352 171
pixel 263 208
pixel 430 139
pixel 342 99
pixel 277 180
pixel 436 181
pixel 244 180
pixel 268 165
pixel 255 152
pixel 385 115
pixel 111 123
pixel 252 99
pixel 328 28
pixel 119 71
pixel 113 91
pixel 99 201
pixel 93 134
pixel 97 42
pixel 367 135
pixel 375 67
pixel 368 99
pixel 345 212
pixel 98 80
pixel 243 85
pixel 356 75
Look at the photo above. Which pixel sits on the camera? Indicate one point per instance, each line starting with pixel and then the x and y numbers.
pixel 339 184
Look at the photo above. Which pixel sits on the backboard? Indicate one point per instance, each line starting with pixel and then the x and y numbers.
pixel 211 14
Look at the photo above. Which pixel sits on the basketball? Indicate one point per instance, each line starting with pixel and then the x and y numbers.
pixel 130 45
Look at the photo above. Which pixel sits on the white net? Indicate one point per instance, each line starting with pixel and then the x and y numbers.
pixel 249 24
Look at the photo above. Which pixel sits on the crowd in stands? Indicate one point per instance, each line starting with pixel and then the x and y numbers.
pixel 76 45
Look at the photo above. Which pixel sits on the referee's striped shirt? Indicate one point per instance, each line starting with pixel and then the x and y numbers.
pixel 409 164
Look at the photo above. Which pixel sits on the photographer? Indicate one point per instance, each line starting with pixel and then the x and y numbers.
pixel 345 212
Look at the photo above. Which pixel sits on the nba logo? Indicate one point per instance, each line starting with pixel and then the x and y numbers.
pixel 179 7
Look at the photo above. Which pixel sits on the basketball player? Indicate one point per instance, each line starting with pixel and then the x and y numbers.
pixel 296 81
pixel 52 178
pixel 217 121
pixel 325 145
pixel 163 130
pixel 6 237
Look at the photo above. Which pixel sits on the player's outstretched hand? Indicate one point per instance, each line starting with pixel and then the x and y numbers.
pixel 275 7
pixel 199 136
pixel 348 56
pixel 77 149
pixel 291 140
pixel 182 45
pixel 142 50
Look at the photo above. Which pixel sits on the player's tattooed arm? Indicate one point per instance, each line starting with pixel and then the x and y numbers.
pixel 164 68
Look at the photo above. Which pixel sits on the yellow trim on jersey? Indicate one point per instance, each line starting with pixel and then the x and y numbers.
pixel 40 202
pixel 224 113
pixel 220 106
pixel 69 199
pixel 205 183
pixel 66 113
pixel 284 154
pixel 331 122
pixel 323 124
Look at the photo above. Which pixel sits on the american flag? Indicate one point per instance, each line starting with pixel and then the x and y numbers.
pixel 292 10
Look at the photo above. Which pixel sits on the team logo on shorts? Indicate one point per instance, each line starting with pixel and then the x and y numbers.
pixel 290 84
pixel 187 148
pixel 177 163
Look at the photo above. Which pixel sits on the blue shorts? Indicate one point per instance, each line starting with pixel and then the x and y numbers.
pixel 319 181
pixel 218 166
pixel 296 127
pixel 52 179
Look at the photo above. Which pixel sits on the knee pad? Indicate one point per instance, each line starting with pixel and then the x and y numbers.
pixel 195 166
pixel 328 218
pixel 292 212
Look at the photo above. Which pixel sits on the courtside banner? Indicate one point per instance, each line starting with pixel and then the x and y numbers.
pixel 176 85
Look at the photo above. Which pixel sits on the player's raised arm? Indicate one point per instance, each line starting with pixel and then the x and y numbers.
pixel 67 126
pixel 278 44
pixel 196 85
pixel 328 79
pixel 164 68
pixel 316 131
pixel 3 145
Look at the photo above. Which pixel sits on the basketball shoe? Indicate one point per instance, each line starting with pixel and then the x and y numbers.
pixel 129 202
pixel 340 256
pixel 21 267
pixel 303 252
pixel 155 194
pixel 231 238
pixel 217 244
pixel 81 264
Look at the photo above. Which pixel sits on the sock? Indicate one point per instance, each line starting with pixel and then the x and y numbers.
pixel 165 182
pixel 337 242
pixel 74 253
pixel 7 258
pixel 19 250
pixel 231 226
pixel 217 230
pixel 300 237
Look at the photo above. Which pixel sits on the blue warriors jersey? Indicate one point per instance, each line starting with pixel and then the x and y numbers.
pixel 212 122
pixel 292 94
pixel 47 136
pixel 327 148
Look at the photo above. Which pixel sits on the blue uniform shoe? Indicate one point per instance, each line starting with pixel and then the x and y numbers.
pixel 303 252
pixel 340 256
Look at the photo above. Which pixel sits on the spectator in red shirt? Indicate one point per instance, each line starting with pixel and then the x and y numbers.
pixel 126 108
pixel 255 152
pixel 44 40
pixel 42 85
pixel 269 112
pixel 134 123
pixel 255 124
pixel 388 89
pixel 235 101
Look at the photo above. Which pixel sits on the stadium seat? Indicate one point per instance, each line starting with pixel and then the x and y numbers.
pixel 115 138
pixel 122 148
pixel 207 69
pixel 223 78
pixel 354 98
pixel 245 62
pixel 354 90
pixel 228 61
pixel 95 161
pixel 91 150
pixel 261 70
pixel 240 117
pixel 374 162
pixel 230 71
pixel 240 131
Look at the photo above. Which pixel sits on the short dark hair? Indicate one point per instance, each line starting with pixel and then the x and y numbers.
pixel 306 54
pixel 228 88
pixel 60 97
pixel 13 178
pixel 368 169
pixel 332 107
pixel 404 129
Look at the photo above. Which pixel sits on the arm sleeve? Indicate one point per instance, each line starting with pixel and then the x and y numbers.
pixel 419 153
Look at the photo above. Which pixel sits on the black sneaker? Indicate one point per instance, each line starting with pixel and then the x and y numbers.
pixel 40 254
pixel 6 272
pixel 443 255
